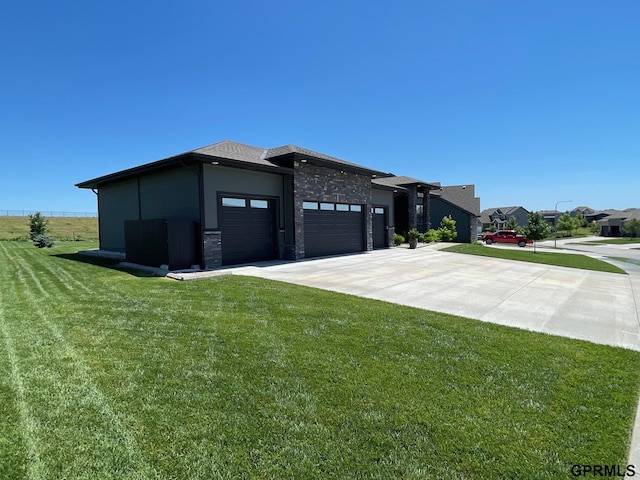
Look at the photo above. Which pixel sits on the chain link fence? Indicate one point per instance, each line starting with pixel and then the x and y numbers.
pixel 52 213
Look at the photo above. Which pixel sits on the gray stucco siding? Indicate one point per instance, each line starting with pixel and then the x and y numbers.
pixel 116 203
pixel 385 198
pixel 241 182
pixel 173 195
pixel 464 226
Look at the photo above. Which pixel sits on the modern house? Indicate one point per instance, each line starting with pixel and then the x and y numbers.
pixel 230 203
pixel 498 216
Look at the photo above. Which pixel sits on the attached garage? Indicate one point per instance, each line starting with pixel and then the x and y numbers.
pixel 249 229
pixel 333 228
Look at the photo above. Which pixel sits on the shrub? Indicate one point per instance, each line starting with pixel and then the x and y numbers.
pixel 431 236
pixel 397 239
pixel 447 231
pixel 43 241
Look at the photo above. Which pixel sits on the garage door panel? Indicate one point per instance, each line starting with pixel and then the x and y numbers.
pixel 332 232
pixel 248 233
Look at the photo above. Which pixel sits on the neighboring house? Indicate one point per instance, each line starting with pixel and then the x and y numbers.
pixel 422 205
pixel 612 225
pixel 584 211
pixel 497 217
pixel 230 203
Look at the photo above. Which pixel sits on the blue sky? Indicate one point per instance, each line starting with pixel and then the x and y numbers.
pixel 533 102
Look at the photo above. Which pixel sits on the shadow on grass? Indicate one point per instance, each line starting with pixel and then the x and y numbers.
pixel 111 263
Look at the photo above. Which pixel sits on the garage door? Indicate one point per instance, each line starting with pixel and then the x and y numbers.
pixel 332 228
pixel 248 227
pixel 379 220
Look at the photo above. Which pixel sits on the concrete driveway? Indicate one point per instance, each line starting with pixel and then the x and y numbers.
pixel 594 306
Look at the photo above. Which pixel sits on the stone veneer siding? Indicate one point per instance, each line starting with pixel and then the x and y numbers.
pixel 323 184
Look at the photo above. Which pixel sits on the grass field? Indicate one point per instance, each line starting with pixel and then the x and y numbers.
pixel 570 260
pixel 60 228
pixel 109 374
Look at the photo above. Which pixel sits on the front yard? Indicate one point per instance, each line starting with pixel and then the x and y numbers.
pixel 109 374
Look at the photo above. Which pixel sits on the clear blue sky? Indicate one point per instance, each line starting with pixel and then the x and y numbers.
pixel 533 102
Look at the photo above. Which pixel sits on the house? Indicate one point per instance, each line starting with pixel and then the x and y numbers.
pixel 497 217
pixel 230 203
pixel 613 224
pixel 422 205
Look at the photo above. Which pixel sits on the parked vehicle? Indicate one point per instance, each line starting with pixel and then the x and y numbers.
pixel 505 236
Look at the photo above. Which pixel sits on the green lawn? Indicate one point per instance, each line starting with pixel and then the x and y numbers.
pixel 108 374
pixel 571 260
pixel 617 241
pixel 60 228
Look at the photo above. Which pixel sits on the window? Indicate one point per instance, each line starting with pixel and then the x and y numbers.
pixel 378 211
pixel 233 202
pixel 419 209
pixel 259 204
pixel 310 205
pixel 327 206
pixel 356 208
pixel 341 207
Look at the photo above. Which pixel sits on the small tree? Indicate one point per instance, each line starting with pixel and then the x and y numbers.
pixel 447 231
pixel 37 225
pixel 565 223
pixel 38 231
pixel 593 227
pixel 632 227
pixel 536 228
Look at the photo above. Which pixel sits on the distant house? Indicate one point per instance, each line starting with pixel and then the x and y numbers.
pixel 582 210
pixel 613 224
pixel 497 217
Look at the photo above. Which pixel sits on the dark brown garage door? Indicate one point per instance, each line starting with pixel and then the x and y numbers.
pixel 379 221
pixel 248 227
pixel 332 229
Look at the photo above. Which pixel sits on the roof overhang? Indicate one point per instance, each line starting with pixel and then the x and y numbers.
pixel 183 160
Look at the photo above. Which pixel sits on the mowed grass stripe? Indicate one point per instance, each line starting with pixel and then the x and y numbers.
pixel 17 424
pixel 70 417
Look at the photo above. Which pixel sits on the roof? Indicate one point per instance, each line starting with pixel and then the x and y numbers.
pixel 485 215
pixel 626 214
pixel 239 155
pixel 402 181
pixel 462 196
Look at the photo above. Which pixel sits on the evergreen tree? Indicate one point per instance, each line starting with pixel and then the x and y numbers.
pixel 37 225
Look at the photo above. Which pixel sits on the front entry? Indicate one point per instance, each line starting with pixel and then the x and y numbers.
pixel 379 223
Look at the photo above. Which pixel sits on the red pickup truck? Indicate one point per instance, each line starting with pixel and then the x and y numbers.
pixel 505 236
